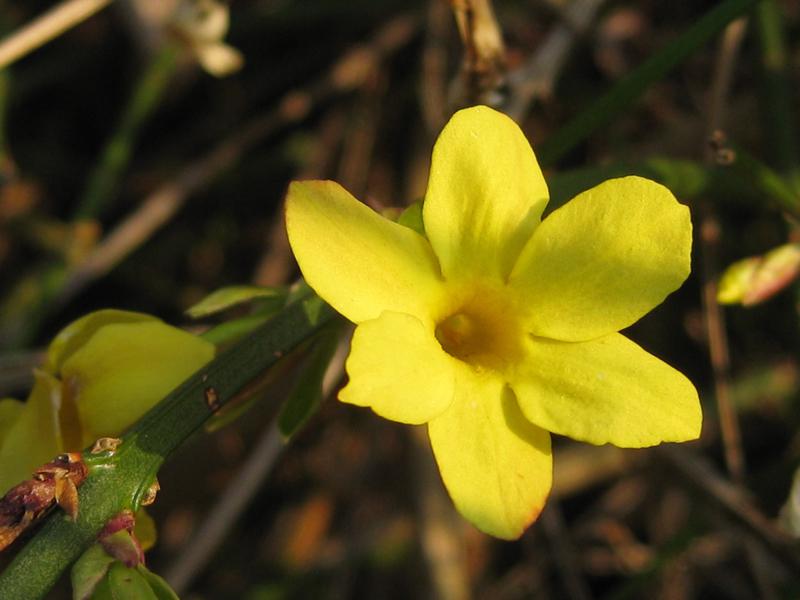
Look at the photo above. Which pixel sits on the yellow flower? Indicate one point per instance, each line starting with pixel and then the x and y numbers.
pixel 497 328
pixel 102 373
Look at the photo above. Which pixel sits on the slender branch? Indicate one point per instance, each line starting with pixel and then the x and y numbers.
pixel 46 27
pixel 130 471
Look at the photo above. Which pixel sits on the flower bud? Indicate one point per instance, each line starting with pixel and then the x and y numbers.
pixel 755 279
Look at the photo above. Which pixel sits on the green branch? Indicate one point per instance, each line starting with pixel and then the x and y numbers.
pixel 120 480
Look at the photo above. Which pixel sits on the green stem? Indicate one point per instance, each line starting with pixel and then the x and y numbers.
pixel 117 153
pixel 779 120
pixel 130 471
pixel 622 95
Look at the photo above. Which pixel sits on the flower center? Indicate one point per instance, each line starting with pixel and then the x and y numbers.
pixel 485 330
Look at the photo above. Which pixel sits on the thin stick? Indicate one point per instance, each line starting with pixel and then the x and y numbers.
pixel 46 27
pixel 484 51
pixel 717 339
pixel 718 351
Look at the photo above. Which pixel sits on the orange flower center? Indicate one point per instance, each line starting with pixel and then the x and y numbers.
pixel 484 330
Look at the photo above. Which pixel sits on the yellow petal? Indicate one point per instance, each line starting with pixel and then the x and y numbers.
pixel 219 59
pixel 397 368
pixel 34 438
pixel 496 465
pixel 126 368
pixel 603 260
pixel 485 194
pixel 77 333
pixel 10 411
pixel 608 390
pixel 357 261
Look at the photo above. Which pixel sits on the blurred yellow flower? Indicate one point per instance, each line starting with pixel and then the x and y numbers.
pixel 496 328
pixel 102 373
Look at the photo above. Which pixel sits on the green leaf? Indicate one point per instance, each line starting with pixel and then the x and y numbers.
pixel 88 571
pixel 306 396
pixel 411 217
pixel 157 583
pixel 128 584
pixel 228 297
pixel 230 331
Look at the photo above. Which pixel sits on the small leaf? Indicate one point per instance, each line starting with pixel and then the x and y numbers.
pixel 230 331
pixel 228 297
pixel 129 584
pixel 157 583
pixel 313 308
pixel 305 398
pixel 411 217
pixel 88 570
pixel 145 530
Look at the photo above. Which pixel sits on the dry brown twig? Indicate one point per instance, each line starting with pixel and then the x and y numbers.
pixel 714 318
pixel 484 62
pixel 46 27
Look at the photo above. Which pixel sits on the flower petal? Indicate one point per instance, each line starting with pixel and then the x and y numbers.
pixel 485 194
pixel 357 261
pixel 126 368
pixel 10 411
pixel 496 465
pixel 80 331
pixel 603 260
pixel 397 368
pixel 607 390
pixel 35 436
